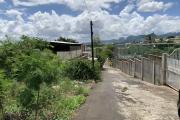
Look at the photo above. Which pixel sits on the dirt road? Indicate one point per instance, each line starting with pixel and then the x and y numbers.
pixel 121 97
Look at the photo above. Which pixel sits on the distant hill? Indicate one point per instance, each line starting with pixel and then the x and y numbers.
pixel 139 38
pixel 122 40
pixel 170 34
pixel 135 39
pixel 106 42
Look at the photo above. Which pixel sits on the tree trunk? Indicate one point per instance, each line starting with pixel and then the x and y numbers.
pixel 37 106
pixel 2 111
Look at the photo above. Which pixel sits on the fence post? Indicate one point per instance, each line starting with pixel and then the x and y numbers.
pixel 134 62
pixel 142 68
pixel 135 68
pixel 129 67
pixel 153 72
pixel 118 64
pixel 123 66
pixel 164 66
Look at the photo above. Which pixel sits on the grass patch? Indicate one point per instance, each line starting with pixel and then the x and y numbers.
pixel 124 89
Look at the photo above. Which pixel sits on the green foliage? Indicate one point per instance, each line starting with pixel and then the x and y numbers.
pixel 102 58
pixel 2 95
pixel 29 43
pixel 29 62
pixel 47 94
pixel 103 53
pixel 81 70
pixel 36 83
pixel 82 91
pixel 155 52
pixel 11 51
pixel 71 103
pixel 66 86
pixel 26 98
pixel 8 51
pixel 141 50
pixel 66 40
pixel 66 106
pixel 61 100
pixel 36 68
pixel 97 40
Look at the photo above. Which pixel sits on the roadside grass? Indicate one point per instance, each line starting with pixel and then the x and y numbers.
pixel 35 84
pixel 124 89
pixel 59 101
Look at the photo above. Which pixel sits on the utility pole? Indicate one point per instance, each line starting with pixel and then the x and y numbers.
pixel 92 43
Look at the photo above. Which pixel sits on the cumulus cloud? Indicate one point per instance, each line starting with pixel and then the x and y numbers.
pixel 152 5
pixel 108 26
pixel 15 28
pixel 125 12
pixel 35 2
pixel 73 4
pixel 13 12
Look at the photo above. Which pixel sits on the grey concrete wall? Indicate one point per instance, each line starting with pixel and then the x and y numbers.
pixel 137 72
pixel 173 73
pixel 157 72
pixel 148 70
pixel 145 69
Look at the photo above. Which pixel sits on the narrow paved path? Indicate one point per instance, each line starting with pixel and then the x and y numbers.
pixel 121 97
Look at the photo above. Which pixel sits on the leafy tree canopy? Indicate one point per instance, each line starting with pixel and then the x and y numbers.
pixel 97 40
pixel 66 40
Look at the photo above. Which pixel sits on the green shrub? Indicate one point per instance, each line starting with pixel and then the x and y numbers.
pixel 103 53
pixel 2 95
pixel 11 50
pixel 36 69
pixel 102 58
pixel 67 105
pixel 71 103
pixel 82 91
pixel 37 89
pixel 26 98
pixel 81 70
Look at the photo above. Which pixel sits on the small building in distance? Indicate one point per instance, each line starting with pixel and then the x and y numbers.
pixel 67 50
pixel 173 39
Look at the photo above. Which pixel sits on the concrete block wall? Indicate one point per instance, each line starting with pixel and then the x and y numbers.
pixel 144 69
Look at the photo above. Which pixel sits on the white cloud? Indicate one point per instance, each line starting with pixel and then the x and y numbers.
pixel 1 1
pixel 35 2
pixel 13 12
pixel 73 4
pixel 127 10
pixel 152 5
pixel 51 25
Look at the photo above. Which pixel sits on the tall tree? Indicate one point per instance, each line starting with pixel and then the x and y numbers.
pixel 97 40
pixel 66 40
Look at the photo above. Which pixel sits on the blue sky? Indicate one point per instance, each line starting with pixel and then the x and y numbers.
pixel 70 18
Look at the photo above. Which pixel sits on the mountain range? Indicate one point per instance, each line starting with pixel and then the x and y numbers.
pixel 138 38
